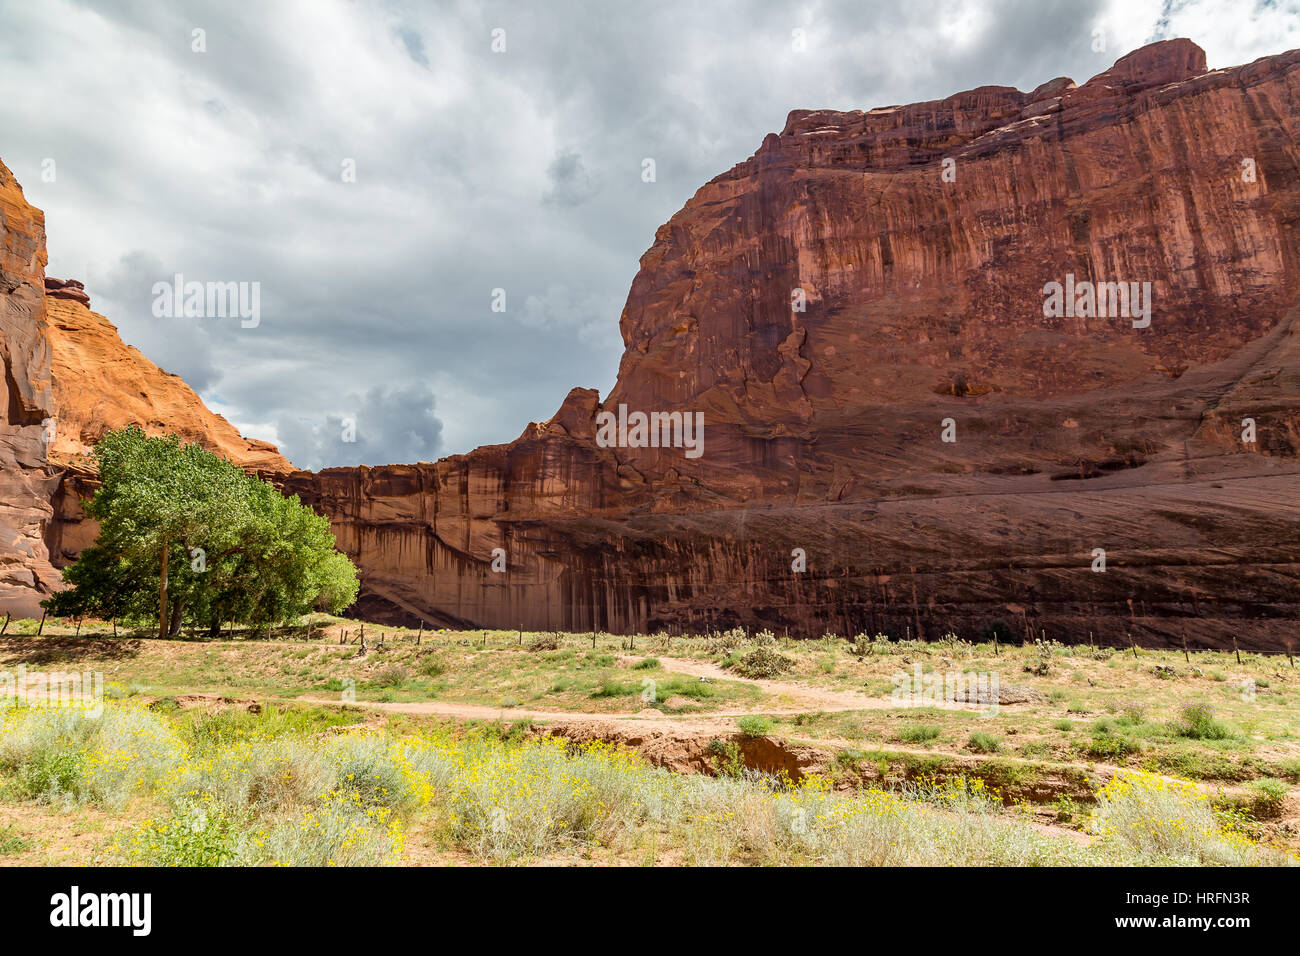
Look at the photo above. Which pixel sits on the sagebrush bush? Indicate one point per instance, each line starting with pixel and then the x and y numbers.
pixel 1196 720
pixel 124 751
pixel 391 675
pixel 983 742
pixel 272 789
pixel 1165 820
pixel 919 733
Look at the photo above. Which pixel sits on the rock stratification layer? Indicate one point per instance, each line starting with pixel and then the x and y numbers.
pixel 869 284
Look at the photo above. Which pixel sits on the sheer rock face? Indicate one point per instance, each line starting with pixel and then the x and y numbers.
pixel 26 402
pixel 920 239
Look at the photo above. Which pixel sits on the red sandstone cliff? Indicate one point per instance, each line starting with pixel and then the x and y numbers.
pixel 26 484
pixel 924 301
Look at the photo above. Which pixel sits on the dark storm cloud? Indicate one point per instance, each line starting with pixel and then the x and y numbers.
pixel 474 171
pixel 397 424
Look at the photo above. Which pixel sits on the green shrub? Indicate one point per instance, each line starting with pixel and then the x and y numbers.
pixel 430 666
pixel 391 675
pixel 983 742
pixel 754 725
pixel 763 662
pixel 51 775
pixel 1108 746
pixel 1196 720
pixel 12 841
pixel 919 733
pixel 193 835
pixel 679 686
pixel 1066 809
pixel 1267 797
pixel 727 760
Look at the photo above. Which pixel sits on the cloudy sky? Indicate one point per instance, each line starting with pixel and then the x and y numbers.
pixel 223 155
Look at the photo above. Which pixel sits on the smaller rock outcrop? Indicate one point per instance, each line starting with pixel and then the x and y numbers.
pixel 66 289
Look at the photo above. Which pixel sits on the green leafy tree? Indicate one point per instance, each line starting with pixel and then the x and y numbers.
pixel 189 536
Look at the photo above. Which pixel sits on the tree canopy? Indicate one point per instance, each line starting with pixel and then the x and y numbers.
pixel 189 537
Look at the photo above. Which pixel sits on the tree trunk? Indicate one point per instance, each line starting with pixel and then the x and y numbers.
pixel 214 629
pixel 175 618
pixel 162 596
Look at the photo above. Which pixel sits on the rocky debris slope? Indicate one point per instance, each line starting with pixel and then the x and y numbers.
pixel 918 243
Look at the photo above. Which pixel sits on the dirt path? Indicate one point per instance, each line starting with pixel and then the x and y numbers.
pixel 793 699
pixel 803 697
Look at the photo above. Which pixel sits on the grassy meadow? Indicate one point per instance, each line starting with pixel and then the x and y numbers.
pixel 445 747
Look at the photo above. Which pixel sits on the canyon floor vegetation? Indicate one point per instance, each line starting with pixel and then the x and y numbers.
pixel 316 745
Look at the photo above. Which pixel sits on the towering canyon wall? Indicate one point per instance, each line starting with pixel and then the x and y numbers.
pixel 26 484
pixel 865 286
pixel 920 239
